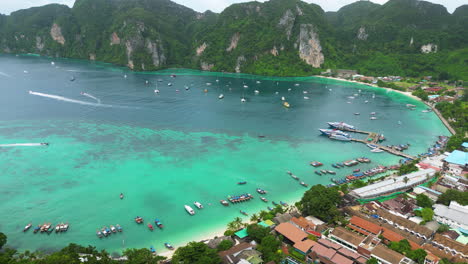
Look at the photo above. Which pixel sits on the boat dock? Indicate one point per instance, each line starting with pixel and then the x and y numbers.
pixel 387 149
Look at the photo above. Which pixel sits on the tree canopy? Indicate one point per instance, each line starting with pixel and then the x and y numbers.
pixel 321 202
pixel 196 253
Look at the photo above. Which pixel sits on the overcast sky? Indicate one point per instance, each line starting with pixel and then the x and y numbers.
pixel 8 6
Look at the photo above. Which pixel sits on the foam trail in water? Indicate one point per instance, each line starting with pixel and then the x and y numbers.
pixel 65 99
pixel 22 145
pixel 4 74
pixel 91 96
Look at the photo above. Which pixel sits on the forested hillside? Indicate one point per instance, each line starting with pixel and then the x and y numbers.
pixel 278 37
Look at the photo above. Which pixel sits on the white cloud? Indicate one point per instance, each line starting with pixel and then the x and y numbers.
pixel 8 6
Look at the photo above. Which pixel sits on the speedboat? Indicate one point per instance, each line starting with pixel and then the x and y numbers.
pixel 329 132
pixel 296 84
pixel 169 84
pixel 186 88
pixel 72 78
pixel 217 80
pixel 258 82
pixel 245 86
pixel 340 137
pixel 198 205
pixel 372 113
pixel 243 100
pixel 208 84
pixel 168 246
pixel 316 163
pixel 306 98
pixel 305 92
pixel 146 82
pixel 156 91
pixel 256 91
pixel 282 98
pixel 372 146
pixel 26 228
pixel 288 172
pixel 221 96
pixel 366 101
pixel 373 118
pixel 173 75
pixel 189 210
pixel 138 220
pixel 341 125
pixel 121 196
pixel 357 113
pixel 158 223
pixel 289 89
pixel 376 150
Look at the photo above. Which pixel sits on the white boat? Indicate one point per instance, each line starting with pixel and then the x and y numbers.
pixel 376 150
pixel 282 98
pixel 245 86
pixel 198 205
pixel 372 113
pixel 329 132
pixel 25 71
pixel 296 84
pixel 243 100
pixel 357 113
pixel 146 82
pixel 221 96
pixel 373 96
pixel 258 82
pixel 156 91
pixel 125 76
pixel 366 101
pixel 350 97
pixel 208 84
pixel 372 146
pixel 306 97
pixel 340 137
pixel 257 91
pixel 186 87
pixel 189 210
pixel 373 118
pixel 348 102
pixel 276 92
pixel 169 84
pixel 52 63
pixel 341 125
pixel 113 229
pixel 289 89
pixel 305 92
pixel 217 80
pixel 356 94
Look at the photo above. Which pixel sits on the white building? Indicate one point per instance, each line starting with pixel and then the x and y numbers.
pixel 454 215
pixel 389 186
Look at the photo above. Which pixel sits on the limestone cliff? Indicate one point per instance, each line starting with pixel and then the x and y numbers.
pixel 56 34
pixel 309 46
pixel 234 41
pixel 287 22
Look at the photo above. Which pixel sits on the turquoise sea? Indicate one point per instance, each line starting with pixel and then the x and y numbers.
pixel 173 148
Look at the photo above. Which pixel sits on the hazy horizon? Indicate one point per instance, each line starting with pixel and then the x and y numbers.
pixel 217 6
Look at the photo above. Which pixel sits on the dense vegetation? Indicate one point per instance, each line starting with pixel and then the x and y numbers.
pixel 154 34
pixel 453 195
pixel 321 202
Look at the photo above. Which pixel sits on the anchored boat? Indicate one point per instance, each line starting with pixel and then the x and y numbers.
pixel 189 210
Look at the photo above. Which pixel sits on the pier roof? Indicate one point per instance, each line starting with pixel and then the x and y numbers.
pixel 392 185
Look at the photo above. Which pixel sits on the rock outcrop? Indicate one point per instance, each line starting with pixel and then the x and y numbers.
pixel 56 34
pixel 39 44
pixel 240 59
pixel 156 51
pixel 362 35
pixel 309 46
pixel 114 39
pixel 92 56
pixel 287 22
pixel 201 49
pixel 206 66
pixel 234 41
pixel 429 48
pixel 274 51
pixel 137 42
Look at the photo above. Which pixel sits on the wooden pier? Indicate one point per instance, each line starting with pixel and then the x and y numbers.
pixel 374 139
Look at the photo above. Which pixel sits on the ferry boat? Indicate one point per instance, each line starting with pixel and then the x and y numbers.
pixel 339 137
pixel 329 132
pixel 224 202
pixel 316 163
pixel 341 125
pixel 189 210
pixel 198 205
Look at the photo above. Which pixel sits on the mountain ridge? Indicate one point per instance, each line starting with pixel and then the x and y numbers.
pixel 277 37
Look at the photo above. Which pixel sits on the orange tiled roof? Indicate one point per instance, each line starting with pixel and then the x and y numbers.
pixel 305 245
pixel 291 232
pixel 364 224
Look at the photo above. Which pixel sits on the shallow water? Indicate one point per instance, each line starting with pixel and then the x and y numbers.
pixel 164 151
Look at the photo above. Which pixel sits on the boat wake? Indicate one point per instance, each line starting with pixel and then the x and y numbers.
pixel 65 99
pixel 22 145
pixel 91 96
pixel 4 74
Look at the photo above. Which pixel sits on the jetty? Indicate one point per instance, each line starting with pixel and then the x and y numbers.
pixel 374 138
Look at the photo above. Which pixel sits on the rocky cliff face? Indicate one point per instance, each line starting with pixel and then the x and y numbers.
pixel 201 49
pixel 362 35
pixel 309 46
pixel 56 34
pixel 234 41
pixel 429 48
pixel 287 22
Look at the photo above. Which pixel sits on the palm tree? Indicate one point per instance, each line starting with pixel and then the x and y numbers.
pixel 232 226
pixel 255 218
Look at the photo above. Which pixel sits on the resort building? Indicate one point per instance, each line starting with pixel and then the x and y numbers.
pixel 451 247
pixel 454 215
pixel 328 252
pixel 390 186
pixel 405 224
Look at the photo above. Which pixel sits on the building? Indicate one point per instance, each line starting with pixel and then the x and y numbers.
pixel 454 215
pixel 345 74
pixel 432 194
pixel 303 224
pixel 390 186
pixel 291 233
pixel 240 254
pixel 405 224
pixel 450 246
pixel 328 252
pixel 457 161
pixel 400 206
